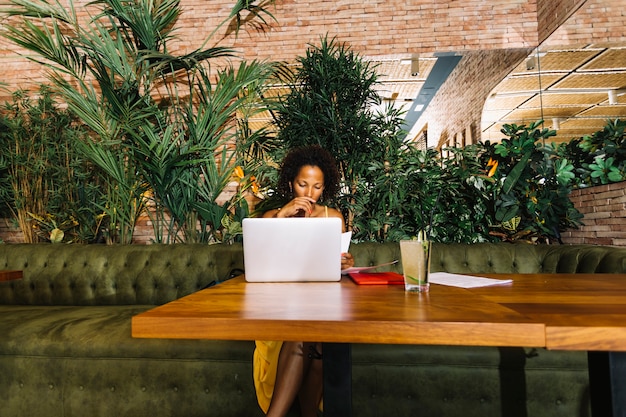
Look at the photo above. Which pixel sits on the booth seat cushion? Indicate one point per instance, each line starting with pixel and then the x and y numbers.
pixel 77 361
pixel 98 332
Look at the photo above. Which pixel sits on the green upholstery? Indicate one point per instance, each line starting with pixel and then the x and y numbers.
pixel 113 275
pixel 504 258
pixel 66 348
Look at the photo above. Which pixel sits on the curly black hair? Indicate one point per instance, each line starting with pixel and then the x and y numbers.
pixel 313 155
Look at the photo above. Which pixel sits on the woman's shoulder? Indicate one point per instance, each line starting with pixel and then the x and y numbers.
pixel 333 212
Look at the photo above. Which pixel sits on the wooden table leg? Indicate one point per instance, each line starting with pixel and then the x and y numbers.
pixel 337 379
pixel 607 383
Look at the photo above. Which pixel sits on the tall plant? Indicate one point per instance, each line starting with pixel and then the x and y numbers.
pixel 46 185
pixel 159 120
pixel 330 102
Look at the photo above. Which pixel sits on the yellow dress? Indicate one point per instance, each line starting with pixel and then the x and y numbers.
pixel 264 364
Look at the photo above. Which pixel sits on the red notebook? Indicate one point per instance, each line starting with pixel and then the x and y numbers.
pixel 377 278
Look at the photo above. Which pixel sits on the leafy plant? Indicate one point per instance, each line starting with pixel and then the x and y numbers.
pixel 49 229
pixel 532 201
pixel 599 158
pixel 329 103
pixel 43 175
pixel 160 121
pixel 515 190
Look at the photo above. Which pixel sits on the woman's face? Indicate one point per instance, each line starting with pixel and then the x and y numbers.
pixel 309 182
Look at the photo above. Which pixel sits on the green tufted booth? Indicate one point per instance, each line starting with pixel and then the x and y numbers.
pixel 66 348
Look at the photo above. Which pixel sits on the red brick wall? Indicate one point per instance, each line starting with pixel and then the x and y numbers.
pixel 9 232
pixel 457 108
pixel 551 14
pixel 372 28
pixel 604 208
pixel 597 22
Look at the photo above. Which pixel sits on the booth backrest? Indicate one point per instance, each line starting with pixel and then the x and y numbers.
pixel 113 275
pixel 503 258
pixel 156 274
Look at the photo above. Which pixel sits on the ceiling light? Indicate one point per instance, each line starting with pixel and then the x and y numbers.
pixel 414 63
pixel 612 97
pixel 415 66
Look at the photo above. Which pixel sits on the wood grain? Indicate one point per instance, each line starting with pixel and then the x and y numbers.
pixel 339 312
pixel 558 311
pixel 580 311
pixel 10 275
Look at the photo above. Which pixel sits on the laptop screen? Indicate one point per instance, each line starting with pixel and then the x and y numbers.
pixel 292 249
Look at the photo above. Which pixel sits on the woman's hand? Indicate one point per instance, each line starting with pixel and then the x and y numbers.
pixel 347 261
pixel 298 207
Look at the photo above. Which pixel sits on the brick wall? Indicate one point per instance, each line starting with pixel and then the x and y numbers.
pixel 599 21
pixel 9 232
pixel 453 116
pixel 372 28
pixel 551 14
pixel 604 208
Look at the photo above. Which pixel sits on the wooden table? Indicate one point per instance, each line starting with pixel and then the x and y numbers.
pixel 8 275
pixel 560 311
pixel 581 312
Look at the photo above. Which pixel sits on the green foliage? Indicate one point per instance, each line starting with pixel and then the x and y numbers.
pixel 329 103
pixel 392 190
pixel 45 181
pixel 160 122
pixel 533 199
pixel 398 198
pixel 599 158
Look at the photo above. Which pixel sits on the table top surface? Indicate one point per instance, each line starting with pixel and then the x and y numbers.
pixel 8 275
pixel 580 311
pixel 558 311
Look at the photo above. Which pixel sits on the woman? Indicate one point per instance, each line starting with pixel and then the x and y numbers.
pixel 284 371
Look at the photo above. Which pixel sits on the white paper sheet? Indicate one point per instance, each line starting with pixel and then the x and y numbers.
pixel 464 281
pixel 345 241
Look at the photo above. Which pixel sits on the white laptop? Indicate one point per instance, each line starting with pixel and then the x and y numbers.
pixel 292 249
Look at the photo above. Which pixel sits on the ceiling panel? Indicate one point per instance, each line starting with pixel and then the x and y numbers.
pixel 610 59
pixel 565 99
pixel 615 111
pixel 564 61
pixel 583 123
pixel 576 83
pixel 584 81
pixel 542 114
pixel 399 90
